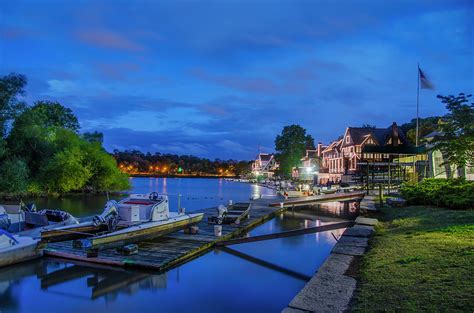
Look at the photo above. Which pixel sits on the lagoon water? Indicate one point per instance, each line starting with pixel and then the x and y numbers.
pixel 253 277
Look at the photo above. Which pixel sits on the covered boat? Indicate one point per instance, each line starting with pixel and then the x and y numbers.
pixel 135 218
pixel 16 248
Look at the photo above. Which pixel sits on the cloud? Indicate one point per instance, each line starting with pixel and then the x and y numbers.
pixel 116 71
pixel 109 39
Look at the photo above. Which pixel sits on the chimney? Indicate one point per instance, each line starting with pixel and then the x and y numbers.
pixel 394 134
pixel 320 148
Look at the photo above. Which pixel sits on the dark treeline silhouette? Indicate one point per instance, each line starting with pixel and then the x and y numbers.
pixel 137 162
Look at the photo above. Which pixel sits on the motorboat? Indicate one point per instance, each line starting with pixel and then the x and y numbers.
pixel 137 217
pixel 27 220
pixel 16 248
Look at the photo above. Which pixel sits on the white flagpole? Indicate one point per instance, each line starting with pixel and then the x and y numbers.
pixel 417 104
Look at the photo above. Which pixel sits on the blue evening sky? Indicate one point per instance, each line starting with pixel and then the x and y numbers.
pixel 220 78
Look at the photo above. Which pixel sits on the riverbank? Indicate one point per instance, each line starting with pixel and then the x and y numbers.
pixel 420 259
pixel 180 175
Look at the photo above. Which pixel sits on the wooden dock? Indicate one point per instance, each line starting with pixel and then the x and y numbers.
pixel 166 252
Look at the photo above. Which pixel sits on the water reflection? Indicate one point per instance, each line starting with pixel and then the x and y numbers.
pixel 253 277
pixel 196 194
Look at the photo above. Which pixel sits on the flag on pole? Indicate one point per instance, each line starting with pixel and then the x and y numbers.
pixel 424 81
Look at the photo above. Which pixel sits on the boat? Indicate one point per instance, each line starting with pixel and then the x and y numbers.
pixel 15 248
pixel 328 191
pixel 233 213
pixel 27 220
pixel 340 196
pixel 133 219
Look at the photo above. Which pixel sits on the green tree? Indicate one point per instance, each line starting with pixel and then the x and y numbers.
pixel 53 114
pixel 13 176
pixel 34 132
pixel 456 139
pixel 11 87
pixel 291 146
pixel 104 170
pixel 66 171
pixel 94 137
pixel 426 126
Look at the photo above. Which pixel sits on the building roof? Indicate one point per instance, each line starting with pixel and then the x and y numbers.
pixel 333 145
pixel 312 154
pixel 380 135
pixel 265 156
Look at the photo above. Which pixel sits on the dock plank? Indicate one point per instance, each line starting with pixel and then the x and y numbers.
pixel 174 249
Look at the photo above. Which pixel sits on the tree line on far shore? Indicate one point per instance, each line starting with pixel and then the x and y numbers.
pixel 42 151
pixel 137 162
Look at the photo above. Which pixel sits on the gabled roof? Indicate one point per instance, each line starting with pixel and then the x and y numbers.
pixel 335 145
pixel 380 135
pixel 265 156
pixel 312 154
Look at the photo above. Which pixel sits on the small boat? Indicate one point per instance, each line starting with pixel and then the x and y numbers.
pixel 233 213
pixel 311 200
pixel 16 248
pixel 29 221
pixel 135 218
pixel 328 191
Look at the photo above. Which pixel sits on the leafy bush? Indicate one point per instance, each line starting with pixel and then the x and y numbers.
pixel 451 193
pixel 13 176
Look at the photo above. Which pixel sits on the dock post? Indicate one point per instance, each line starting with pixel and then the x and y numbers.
pixel 381 195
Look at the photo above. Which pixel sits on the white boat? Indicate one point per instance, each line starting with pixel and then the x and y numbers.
pixel 135 218
pixel 27 220
pixel 16 248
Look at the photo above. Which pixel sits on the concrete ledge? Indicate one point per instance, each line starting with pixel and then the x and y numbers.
pixel 354 241
pixel 359 231
pixel 366 221
pixel 293 310
pixel 336 264
pixel 348 250
pixel 330 290
pixel 325 293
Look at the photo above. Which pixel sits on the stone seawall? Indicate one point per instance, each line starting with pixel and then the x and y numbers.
pixel 331 288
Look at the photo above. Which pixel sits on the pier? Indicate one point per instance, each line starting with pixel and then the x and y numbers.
pixel 174 249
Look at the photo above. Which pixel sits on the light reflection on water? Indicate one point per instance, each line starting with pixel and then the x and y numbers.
pixel 253 277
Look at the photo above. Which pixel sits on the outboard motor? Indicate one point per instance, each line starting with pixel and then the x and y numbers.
pixel 108 217
pixel 221 213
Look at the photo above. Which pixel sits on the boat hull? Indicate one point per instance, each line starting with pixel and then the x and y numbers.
pixel 71 232
pixel 25 250
pixel 145 231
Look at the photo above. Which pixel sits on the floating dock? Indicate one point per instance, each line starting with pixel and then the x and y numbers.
pixel 169 251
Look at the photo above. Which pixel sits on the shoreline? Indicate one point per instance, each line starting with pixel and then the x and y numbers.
pixel 181 176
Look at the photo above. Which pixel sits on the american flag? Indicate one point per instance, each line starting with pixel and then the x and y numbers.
pixel 425 82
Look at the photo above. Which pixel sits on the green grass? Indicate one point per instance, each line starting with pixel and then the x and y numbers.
pixel 421 259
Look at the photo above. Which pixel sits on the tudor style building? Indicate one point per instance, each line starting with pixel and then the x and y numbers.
pixel 264 165
pixel 342 159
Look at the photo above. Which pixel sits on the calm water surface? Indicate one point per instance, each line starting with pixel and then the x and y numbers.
pixel 252 277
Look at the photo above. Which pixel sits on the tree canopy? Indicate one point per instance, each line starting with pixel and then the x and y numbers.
pixel 43 153
pixel 291 146
pixel 456 138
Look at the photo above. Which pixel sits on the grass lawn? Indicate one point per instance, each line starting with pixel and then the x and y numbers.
pixel 420 259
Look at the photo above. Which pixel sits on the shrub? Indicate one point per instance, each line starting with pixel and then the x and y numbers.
pixel 451 193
